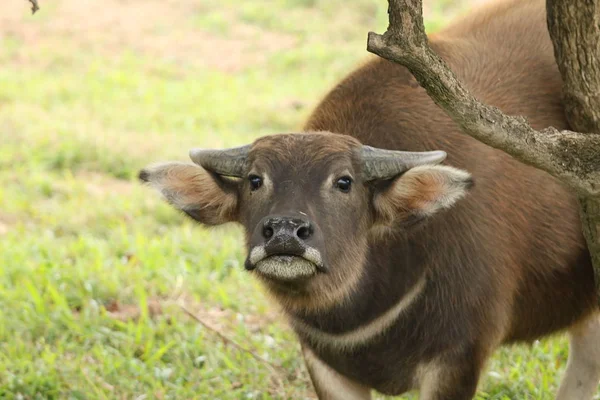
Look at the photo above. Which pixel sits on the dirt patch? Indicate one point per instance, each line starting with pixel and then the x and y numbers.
pixel 7 222
pixel 158 29
pixel 132 312
pixel 219 319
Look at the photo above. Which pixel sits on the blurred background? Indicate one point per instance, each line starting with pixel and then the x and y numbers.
pixel 94 267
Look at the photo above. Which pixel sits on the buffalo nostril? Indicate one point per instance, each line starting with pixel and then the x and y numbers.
pixel 267 232
pixel 304 232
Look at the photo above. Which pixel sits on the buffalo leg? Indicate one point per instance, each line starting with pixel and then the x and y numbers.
pixel 330 385
pixel 583 368
pixel 451 379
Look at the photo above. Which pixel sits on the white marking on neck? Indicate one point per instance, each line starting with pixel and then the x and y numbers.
pixel 365 333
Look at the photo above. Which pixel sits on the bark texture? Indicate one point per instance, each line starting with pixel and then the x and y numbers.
pixel 574 27
pixel 570 156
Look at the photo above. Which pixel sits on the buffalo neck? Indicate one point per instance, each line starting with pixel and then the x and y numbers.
pixel 391 270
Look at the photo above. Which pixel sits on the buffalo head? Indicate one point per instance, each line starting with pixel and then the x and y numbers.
pixel 308 203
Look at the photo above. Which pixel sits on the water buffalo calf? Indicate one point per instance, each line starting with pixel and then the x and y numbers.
pixel 402 267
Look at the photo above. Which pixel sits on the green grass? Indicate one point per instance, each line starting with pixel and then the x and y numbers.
pixel 93 266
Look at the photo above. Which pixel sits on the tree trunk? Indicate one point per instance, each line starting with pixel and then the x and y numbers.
pixel 590 222
pixel 574 27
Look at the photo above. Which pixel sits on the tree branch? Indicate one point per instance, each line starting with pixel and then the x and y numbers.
pixel 34 6
pixel 566 155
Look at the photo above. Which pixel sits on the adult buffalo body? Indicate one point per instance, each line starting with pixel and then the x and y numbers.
pixel 396 272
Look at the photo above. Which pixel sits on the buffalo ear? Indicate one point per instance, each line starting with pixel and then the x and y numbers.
pixel 203 196
pixel 421 192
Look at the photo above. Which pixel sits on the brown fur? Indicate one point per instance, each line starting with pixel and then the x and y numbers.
pixel 301 161
pixel 201 195
pixel 508 263
pixel 419 193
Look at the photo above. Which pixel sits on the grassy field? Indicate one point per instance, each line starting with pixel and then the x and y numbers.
pixel 94 268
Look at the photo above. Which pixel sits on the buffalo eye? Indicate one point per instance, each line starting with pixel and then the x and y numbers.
pixel 343 184
pixel 255 182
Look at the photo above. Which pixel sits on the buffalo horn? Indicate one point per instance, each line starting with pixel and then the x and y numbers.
pixel 228 162
pixel 385 164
